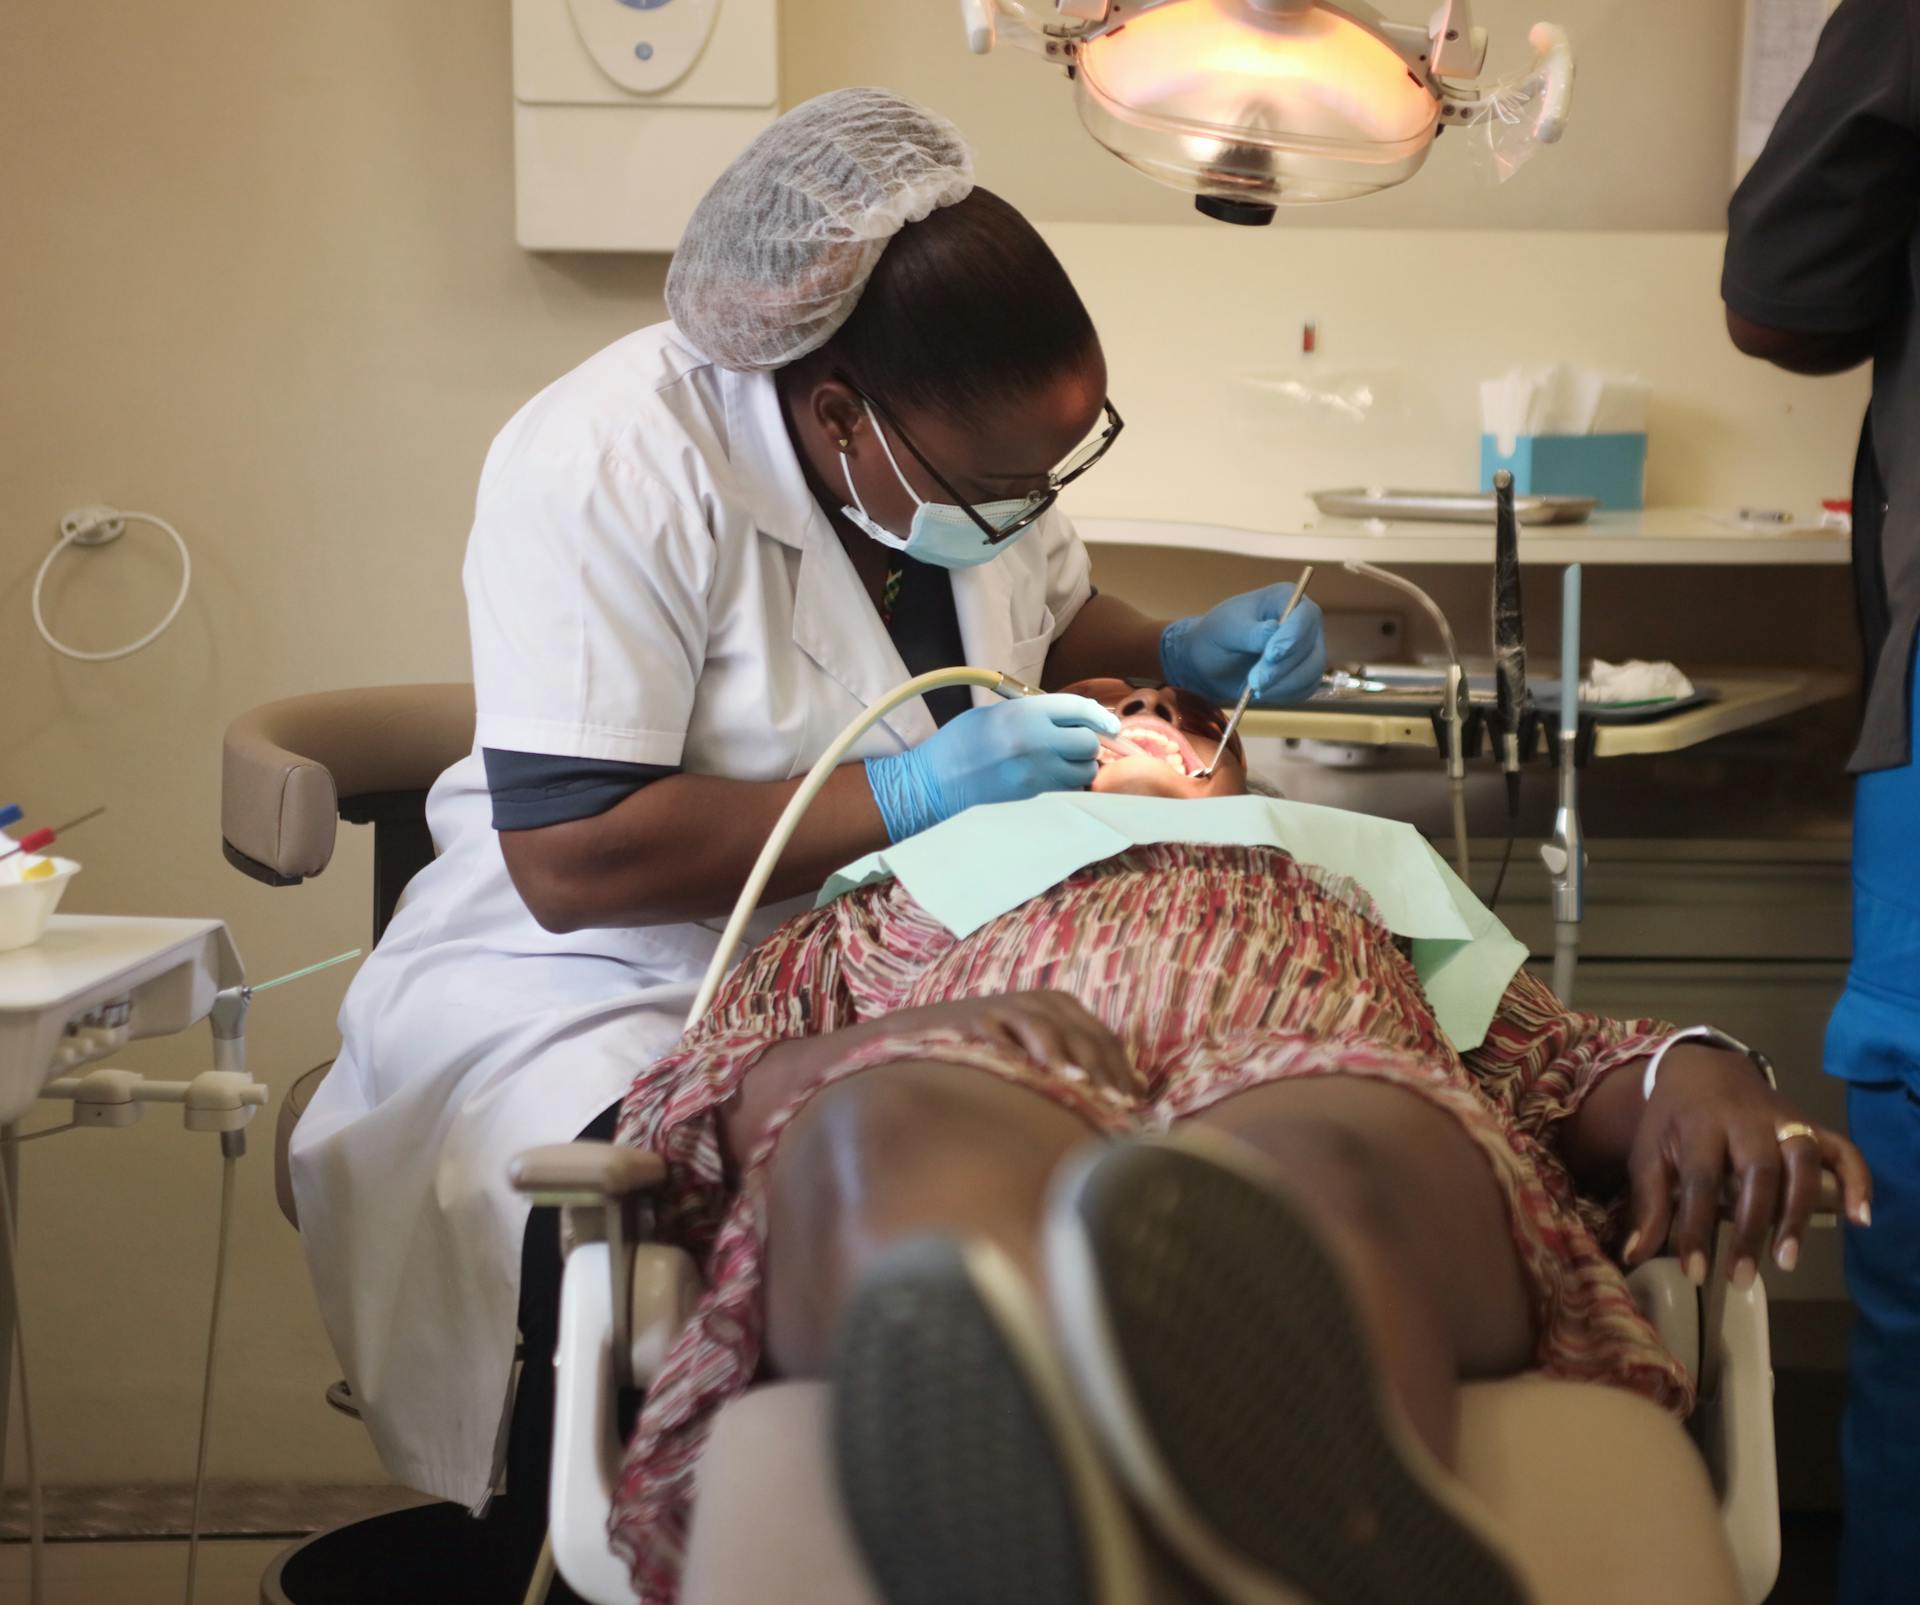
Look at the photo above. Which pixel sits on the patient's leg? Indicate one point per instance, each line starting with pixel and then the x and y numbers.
pixel 894 1151
pixel 1406 1199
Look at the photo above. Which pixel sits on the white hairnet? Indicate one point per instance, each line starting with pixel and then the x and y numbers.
pixel 777 252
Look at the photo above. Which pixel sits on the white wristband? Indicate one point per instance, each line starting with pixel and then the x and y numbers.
pixel 1712 1038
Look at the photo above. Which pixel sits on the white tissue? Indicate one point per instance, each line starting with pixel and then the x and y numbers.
pixel 1633 681
pixel 1561 400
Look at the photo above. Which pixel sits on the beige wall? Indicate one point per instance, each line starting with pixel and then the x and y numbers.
pixel 257 274
pixel 1213 379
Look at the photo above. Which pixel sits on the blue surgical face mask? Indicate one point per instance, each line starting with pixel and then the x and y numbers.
pixel 941 534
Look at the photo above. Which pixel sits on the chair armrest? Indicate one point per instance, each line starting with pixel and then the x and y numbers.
pixel 1690 1320
pixel 571 1174
pixel 600 1188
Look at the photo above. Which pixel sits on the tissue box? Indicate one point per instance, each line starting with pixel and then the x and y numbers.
pixel 1610 468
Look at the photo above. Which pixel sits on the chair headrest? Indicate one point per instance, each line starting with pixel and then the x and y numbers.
pixel 287 765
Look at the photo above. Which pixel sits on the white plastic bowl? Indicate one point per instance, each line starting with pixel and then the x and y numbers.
pixel 26 906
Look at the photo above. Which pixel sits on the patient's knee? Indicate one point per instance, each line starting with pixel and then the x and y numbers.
pixel 917 1147
pixel 891 1152
pixel 1333 1163
pixel 901 1130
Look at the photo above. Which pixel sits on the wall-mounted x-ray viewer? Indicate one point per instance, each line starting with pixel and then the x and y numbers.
pixel 626 110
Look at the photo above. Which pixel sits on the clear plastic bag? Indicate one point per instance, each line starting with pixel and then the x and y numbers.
pixel 1513 118
pixel 1341 396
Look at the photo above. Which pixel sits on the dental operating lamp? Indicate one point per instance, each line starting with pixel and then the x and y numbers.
pixel 1250 105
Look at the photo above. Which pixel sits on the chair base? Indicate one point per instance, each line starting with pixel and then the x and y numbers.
pixel 424 1552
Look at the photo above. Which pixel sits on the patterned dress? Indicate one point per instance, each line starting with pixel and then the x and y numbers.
pixel 1219 969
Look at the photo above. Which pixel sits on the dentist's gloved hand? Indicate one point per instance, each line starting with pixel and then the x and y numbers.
pixel 1215 652
pixel 1000 753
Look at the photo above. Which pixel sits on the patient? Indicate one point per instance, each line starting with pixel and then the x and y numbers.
pixel 891 1146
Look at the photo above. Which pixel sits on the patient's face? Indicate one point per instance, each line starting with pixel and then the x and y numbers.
pixel 1178 731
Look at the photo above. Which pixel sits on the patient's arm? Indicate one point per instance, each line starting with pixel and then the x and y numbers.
pixel 678 849
pixel 1540 1060
pixel 1574 1081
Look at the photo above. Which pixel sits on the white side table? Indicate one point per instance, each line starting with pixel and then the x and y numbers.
pixel 89 985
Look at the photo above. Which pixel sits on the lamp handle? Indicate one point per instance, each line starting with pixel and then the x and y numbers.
pixel 976 16
pixel 1556 64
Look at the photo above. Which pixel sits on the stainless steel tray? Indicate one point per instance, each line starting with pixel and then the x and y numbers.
pixel 1450 507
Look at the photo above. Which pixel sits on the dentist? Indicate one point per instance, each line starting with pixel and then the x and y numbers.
pixel 693 560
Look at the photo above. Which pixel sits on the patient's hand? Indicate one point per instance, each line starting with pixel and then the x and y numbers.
pixel 1713 1119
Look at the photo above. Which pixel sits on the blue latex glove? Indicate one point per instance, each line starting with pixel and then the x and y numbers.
pixel 1217 652
pixel 1000 753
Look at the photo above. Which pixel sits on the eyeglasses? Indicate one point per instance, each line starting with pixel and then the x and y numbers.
pixel 1077 463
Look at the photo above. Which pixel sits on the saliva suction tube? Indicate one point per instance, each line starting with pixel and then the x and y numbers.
pixel 994 680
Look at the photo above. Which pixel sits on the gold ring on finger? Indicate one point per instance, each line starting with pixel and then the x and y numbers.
pixel 1788 1130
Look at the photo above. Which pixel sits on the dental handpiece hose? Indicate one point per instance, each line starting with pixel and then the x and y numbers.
pixel 1509 639
pixel 1456 704
pixel 837 749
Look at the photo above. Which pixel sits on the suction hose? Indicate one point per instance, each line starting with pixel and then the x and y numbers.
pixel 790 817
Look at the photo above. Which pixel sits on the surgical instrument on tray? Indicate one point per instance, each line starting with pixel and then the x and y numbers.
pixel 1246 696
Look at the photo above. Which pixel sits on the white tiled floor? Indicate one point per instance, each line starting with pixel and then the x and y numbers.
pixel 141 1574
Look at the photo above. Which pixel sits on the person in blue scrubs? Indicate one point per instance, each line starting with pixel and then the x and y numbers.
pixel 1823 273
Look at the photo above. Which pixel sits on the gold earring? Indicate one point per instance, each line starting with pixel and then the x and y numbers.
pixel 843 442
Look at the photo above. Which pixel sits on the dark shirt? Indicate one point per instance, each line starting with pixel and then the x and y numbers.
pixel 1824 238
pixel 531 789
pixel 926 633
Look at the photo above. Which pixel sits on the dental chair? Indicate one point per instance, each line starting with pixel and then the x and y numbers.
pixel 290 771
pixel 1603 1496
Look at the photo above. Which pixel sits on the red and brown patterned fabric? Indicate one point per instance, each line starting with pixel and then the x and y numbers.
pixel 1220 969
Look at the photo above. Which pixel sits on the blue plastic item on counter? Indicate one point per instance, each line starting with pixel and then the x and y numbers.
pixel 1610 468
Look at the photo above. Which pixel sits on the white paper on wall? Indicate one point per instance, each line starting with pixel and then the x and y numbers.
pixel 1777 40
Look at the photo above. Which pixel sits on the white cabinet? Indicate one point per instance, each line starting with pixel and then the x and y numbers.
pixel 625 111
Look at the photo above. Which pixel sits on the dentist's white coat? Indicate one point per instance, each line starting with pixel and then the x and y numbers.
pixel 648 580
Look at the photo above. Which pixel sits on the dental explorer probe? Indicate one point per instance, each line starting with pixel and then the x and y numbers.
pixel 1246 696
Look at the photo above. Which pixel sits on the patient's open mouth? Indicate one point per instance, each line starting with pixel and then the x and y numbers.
pixel 1158 741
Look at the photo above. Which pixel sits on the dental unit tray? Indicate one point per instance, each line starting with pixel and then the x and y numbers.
pixel 1411 689
pixel 1449 507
